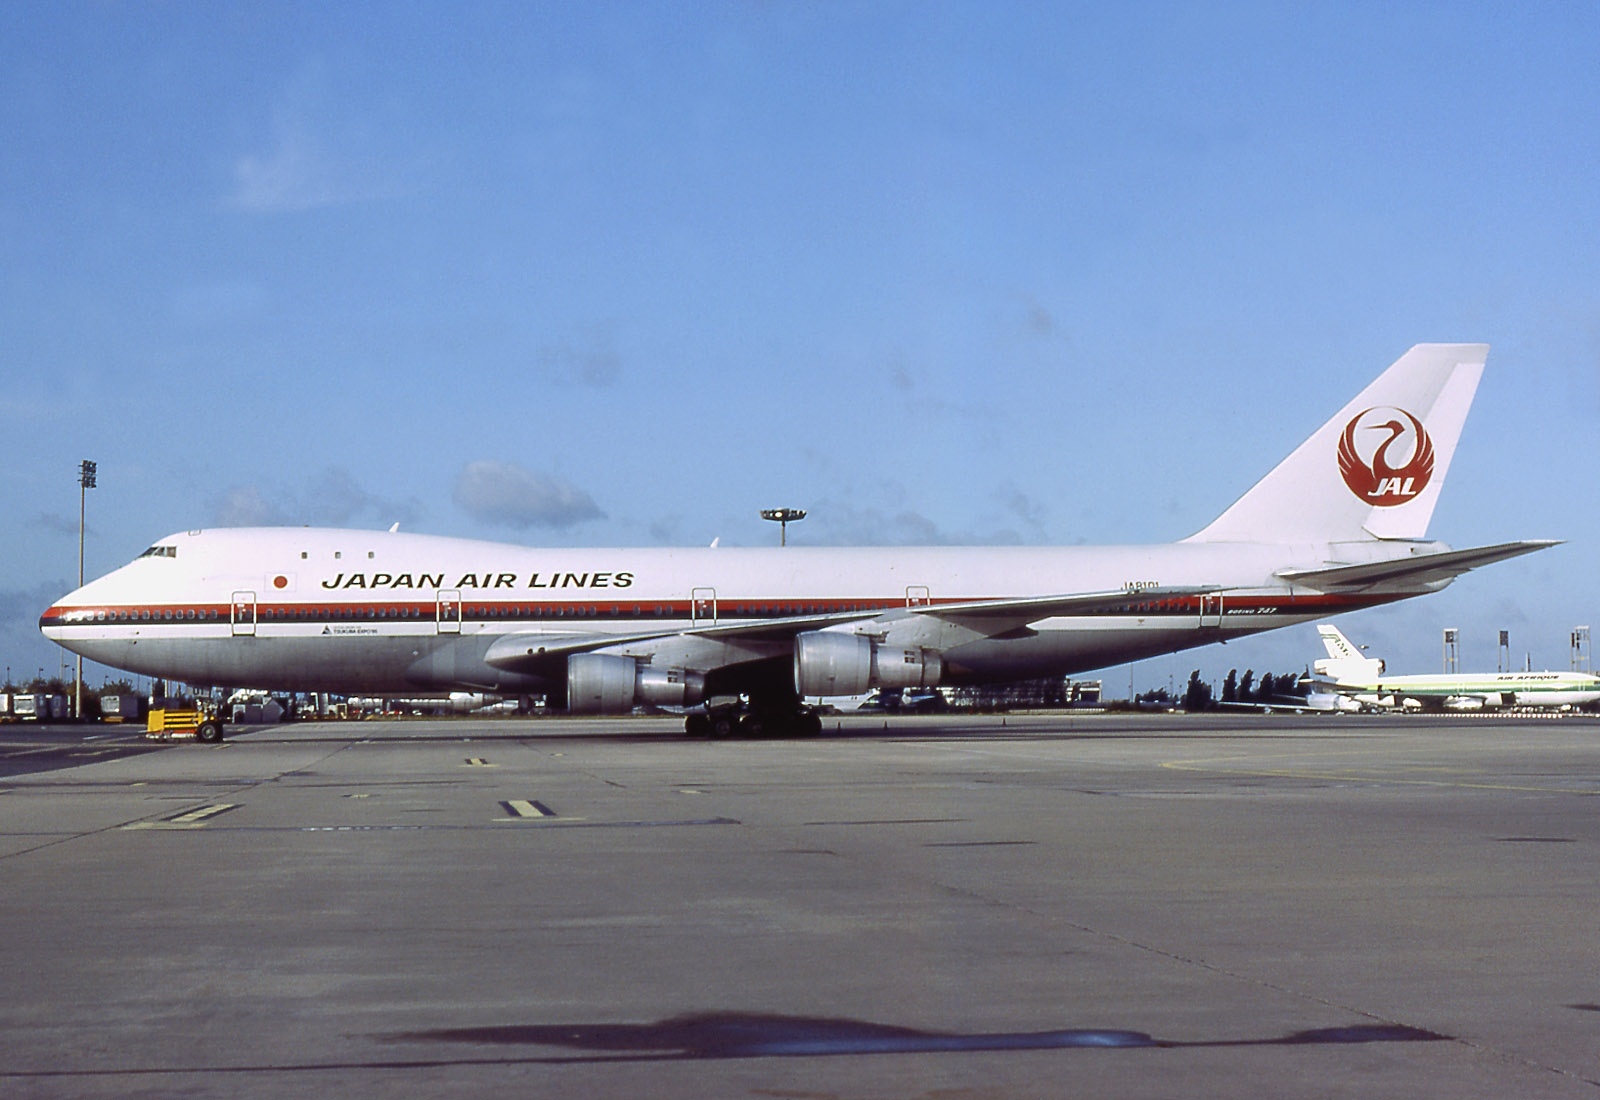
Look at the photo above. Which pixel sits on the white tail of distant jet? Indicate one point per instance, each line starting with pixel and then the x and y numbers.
pixel 1348 673
pixel 1337 526
pixel 1345 660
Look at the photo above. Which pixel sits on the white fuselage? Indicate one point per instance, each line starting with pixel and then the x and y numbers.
pixel 362 611
pixel 1339 524
pixel 1491 689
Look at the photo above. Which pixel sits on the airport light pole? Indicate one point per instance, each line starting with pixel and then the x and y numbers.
pixel 86 472
pixel 783 517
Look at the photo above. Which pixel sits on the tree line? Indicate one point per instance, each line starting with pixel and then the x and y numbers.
pixel 1200 695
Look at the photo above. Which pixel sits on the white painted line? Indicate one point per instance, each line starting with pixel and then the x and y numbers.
pixel 524 808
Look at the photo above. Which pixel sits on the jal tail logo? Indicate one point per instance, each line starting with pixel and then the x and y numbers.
pixel 1386 456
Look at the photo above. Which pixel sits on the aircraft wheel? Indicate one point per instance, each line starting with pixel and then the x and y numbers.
pixel 809 724
pixel 722 726
pixel 209 733
pixel 697 725
pixel 753 725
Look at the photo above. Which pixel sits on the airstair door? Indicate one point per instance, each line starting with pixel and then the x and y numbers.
pixel 703 606
pixel 449 608
pixel 243 614
pixel 1211 610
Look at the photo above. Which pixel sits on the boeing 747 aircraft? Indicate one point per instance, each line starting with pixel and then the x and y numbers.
pixel 1347 671
pixel 1339 525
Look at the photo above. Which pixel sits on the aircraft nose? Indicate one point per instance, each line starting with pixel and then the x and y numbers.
pixel 55 618
pixel 51 620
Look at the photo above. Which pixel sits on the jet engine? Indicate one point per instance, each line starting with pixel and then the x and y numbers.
pixel 601 683
pixel 850 664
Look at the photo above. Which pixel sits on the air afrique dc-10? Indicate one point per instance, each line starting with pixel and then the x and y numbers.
pixel 742 636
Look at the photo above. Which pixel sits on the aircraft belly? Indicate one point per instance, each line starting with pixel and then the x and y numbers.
pixel 288 663
pixel 456 662
pixel 1063 647
pixel 388 662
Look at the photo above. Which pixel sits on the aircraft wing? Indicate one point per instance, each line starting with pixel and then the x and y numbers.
pixel 989 616
pixel 1028 609
pixel 1268 708
pixel 1419 569
pixel 525 652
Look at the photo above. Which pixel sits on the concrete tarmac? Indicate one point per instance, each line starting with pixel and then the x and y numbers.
pixel 933 907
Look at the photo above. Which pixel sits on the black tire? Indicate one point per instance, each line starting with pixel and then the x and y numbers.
pixel 722 726
pixel 697 725
pixel 209 733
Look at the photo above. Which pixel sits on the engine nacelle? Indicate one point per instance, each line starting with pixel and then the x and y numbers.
pixel 669 687
pixel 602 683
pixel 850 664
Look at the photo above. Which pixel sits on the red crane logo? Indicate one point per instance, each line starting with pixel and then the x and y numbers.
pixel 1386 471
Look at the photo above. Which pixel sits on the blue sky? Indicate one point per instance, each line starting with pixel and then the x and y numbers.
pixel 955 273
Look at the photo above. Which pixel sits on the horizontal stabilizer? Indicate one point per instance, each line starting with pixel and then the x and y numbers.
pixel 1419 569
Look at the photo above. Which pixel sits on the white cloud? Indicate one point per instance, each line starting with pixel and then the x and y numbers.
pixel 838 523
pixel 591 361
pixel 26 650
pixel 247 506
pixel 506 494
pixel 292 174
pixel 333 498
pixel 312 157
pixel 58 524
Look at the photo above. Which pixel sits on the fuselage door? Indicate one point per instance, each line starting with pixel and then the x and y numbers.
pixel 1211 610
pixel 243 614
pixel 703 606
pixel 917 595
pixel 449 606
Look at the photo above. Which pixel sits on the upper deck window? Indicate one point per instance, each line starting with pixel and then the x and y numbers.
pixel 160 552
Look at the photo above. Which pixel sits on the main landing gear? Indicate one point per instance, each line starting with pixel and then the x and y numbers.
pixel 730 716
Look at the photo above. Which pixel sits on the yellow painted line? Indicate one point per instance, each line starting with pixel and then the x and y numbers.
pixel 191 819
pixel 194 817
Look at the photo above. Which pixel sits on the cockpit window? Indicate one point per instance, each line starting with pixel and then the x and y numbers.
pixel 160 552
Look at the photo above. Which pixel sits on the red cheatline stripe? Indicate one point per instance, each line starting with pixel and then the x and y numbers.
pixel 728 609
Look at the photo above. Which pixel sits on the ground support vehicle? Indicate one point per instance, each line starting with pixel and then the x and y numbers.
pixel 173 720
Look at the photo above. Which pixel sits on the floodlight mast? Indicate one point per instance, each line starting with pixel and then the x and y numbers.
pixel 86 472
pixel 783 517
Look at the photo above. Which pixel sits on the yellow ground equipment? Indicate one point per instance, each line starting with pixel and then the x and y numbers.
pixel 182 720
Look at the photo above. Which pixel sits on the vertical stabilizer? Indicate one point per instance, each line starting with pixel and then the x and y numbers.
pixel 1376 468
pixel 1338 646
pixel 1345 661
